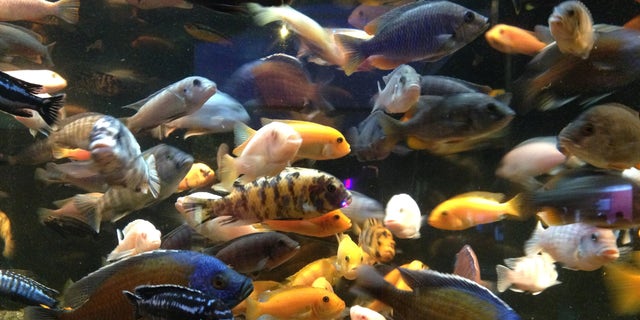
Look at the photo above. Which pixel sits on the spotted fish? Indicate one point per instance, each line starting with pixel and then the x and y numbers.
pixel 295 193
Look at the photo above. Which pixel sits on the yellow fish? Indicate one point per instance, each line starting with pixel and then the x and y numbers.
pixel 622 281
pixel 200 175
pixel 473 208
pixel 323 226
pixel 324 267
pixel 5 234
pixel 259 286
pixel 296 303
pixel 395 278
pixel 350 256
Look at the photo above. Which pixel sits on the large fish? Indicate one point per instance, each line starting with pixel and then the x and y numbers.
pixel 423 30
pixel 435 296
pixel 295 193
pixel 99 295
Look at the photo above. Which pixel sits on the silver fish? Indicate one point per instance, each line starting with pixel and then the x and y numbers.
pixel 401 90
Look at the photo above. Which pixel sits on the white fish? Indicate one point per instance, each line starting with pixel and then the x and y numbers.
pixel 357 312
pixel 576 246
pixel 402 217
pixel 571 26
pixel 532 273
pixel 172 102
pixel 267 152
pixel 34 10
pixel 50 81
pixel 529 159
pixel 138 236
pixel 401 90
pixel 16 41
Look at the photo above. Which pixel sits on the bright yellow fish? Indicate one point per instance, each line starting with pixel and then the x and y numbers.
pixel 296 303
pixel 473 208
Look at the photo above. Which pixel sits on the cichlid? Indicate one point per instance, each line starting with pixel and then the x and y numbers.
pixel 325 225
pixel 206 33
pixel 296 303
pixel 435 296
pixel 402 217
pixel 467 266
pixel 511 40
pixel 79 174
pixel 36 10
pixel 401 90
pixel 16 41
pixel 622 280
pixel 25 290
pixel 199 176
pixel 137 236
pixel 412 32
pixel 295 193
pixel 571 26
pixel 117 157
pixel 576 246
pixel 357 312
pixel 377 241
pixel 321 268
pixel 531 273
pixel 349 257
pixel 7 236
pixel 604 136
pixel 17 95
pixel 172 102
pixel 99 295
pixel 50 81
pixel 69 218
pixel 473 208
pixel 169 302
pixel 436 85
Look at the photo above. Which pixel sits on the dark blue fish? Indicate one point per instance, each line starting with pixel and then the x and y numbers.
pixel 435 296
pixel 26 290
pixel 17 95
pixel 171 302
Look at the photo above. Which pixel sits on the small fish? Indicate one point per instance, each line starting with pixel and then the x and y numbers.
pixel 326 225
pixel 199 176
pixel 296 302
pixel 17 95
pixel 68 218
pixel 256 252
pixel 401 90
pixel 218 114
pixel 349 258
pixel 6 235
pixel 532 273
pixel 357 312
pixel 437 30
pixel 17 41
pixel 266 153
pixel 205 33
pixel 111 83
pixel 576 246
pixel 25 290
pixel 377 241
pixel 435 295
pixel 172 102
pixel 529 159
pixel 117 156
pixel 321 268
pixel 311 34
pixel 621 280
pixel 319 142
pixel 99 295
pixel 571 26
pixel 138 236
pixel 293 194
pixel 35 10
pixel 169 302
pixel 513 40
pixel 605 136
pixel 473 208
pixel 50 81
pixel 402 217
pixel 152 43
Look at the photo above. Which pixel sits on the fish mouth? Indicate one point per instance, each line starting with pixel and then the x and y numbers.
pixel 612 254
pixel 245 290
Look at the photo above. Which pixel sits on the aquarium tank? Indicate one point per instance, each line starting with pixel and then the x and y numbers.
pixel 337 159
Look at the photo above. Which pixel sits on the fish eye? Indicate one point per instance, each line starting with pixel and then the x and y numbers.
pixel 197 83
pixel 571 12
pixel 403 80
pixel 339 140
pixel 219 282
pixel 468 16
pixel 587 130
pixel 336 217
pixel 325 299
pixel 492 107
pixel 501 31
pixel 331 188
pixel 346 258
pixel 594 237
pixel 444 213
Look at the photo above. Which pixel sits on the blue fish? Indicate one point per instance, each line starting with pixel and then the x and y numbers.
pixel 26 290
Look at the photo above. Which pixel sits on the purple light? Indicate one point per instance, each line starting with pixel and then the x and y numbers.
pixel 348 183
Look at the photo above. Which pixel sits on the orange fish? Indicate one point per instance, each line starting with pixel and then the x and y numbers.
pixel 76 154
pixel 509 39
pixel 323 226
pixel 199 176
pixel 296 303
pixel 395 278
pixel 5 234
pixel 324 267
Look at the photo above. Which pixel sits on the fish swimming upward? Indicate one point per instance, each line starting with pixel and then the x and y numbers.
pixel 295 193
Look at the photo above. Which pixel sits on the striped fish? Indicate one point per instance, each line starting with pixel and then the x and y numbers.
pixel 26 290
pixel 377 241
pixel 295 193
pixel 166 302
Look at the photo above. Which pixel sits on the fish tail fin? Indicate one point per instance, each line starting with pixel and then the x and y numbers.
pixel 86 205
pixel 59 152
pixel 520 206
pixel 42 175
pixel 194 208
pixel 532 246
pixel 263 15
pixel 153 180
pixel 392 130
pixel 550 217
pixel 622 284
pixel 503 278
pixel 40 313
pixel 43 213
pixel 50 108
pixel 227 171
pixel 68 10
pixel 352 52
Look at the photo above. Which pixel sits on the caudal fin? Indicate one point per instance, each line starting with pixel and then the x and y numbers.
pixel 622 283
pixel 352 52
pixel 68 10
pixel 50 108
pixel 532 246
pixel 503 278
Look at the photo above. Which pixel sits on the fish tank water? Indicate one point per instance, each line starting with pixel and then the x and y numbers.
pixel 118 53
